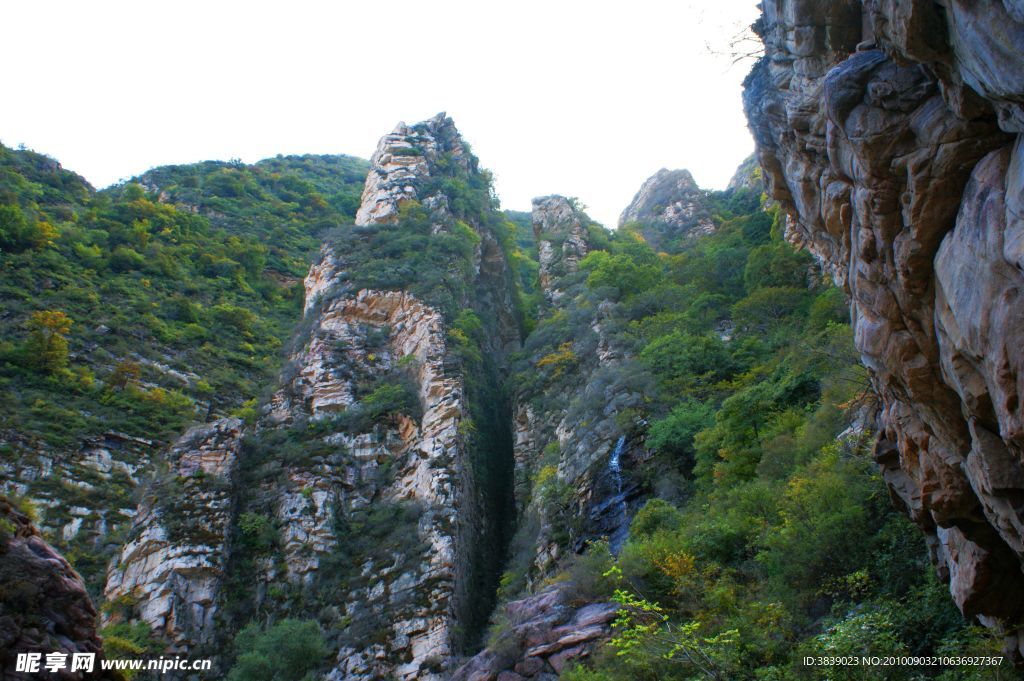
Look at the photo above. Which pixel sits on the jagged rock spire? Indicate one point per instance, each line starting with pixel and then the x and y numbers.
pixel 562 241
pixel 403 159
pixel 672 205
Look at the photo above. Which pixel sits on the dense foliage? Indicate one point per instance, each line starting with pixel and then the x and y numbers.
pixel 290 650
pixel 769 535
pixel 134 306
pixel 145 307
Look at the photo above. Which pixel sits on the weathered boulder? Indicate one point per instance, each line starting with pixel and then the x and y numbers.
pixel 44 606
pixel 541 635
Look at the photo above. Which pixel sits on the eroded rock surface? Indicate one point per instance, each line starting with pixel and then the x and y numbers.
pixel 45 607
pixel 411 596
pixel 540 635
pixel 890 133
pixel 671 205
pixel 172 566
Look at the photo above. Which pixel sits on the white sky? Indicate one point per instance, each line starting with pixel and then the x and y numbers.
pixel 586 99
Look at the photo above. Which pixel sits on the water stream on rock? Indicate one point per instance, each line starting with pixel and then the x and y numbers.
pixel 618 537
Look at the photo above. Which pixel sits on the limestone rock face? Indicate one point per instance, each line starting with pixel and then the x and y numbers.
pixel 672 204
pixel 890 133
pixel 428 457
pixel 173 564
pixel 561 242
pixel 404 158
pixel 45 608
pixel 417 600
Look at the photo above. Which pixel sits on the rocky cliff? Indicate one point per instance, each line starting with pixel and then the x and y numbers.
pixel 574 466
pixel 372 493
pixel 84 493
pixel 169 572
pixel 891 134
pixel 671 206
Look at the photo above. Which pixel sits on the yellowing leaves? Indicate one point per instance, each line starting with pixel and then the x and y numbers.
pixel 560 360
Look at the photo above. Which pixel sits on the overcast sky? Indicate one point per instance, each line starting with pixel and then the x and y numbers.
pixel 586 99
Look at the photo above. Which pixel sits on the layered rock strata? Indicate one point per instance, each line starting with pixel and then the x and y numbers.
pixel 413 597
pixel 891 134
pixel 315 468
pixel 172 566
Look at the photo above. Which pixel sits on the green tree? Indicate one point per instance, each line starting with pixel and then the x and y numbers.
pixel 47 345
pixel 673 435
pixel 620 272
pixel 20 233
pixel 768 307
pixel 684 363
pixel 288 651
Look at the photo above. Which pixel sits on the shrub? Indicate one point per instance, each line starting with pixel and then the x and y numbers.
pixel 288 651
pixel 673 435
pixel 47 345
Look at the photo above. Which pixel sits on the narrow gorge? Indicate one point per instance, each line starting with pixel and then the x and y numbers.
pixel 318 417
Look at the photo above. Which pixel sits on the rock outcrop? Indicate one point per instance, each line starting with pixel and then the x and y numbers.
pixel 44 606
pixel 747 176
pixel 412 597
pixel 402 161
pixel 84 494
pixel 539 636
pixel 671 206
pixel 891 134
pixel 171 568
pixel 378 524
pixel 561 237
pixel 586 450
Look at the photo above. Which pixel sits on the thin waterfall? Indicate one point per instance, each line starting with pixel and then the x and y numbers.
pixel 618 537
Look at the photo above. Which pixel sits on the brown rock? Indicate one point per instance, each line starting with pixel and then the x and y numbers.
pixel 896 171
pixel 558 661
pixel 45 607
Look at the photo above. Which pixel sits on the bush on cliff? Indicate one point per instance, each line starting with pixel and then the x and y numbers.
pixel 290 650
